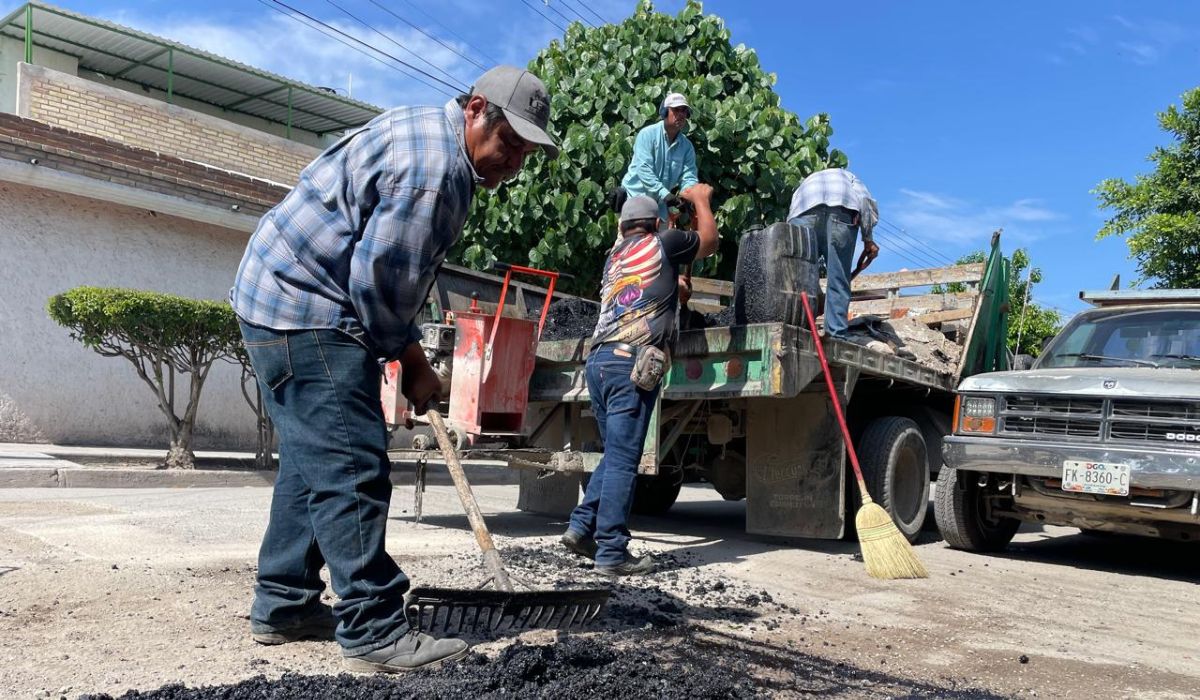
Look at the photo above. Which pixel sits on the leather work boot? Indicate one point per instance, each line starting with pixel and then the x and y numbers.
pixel 632 566
pixel 318 624
pixel 408 653
pixel 579 544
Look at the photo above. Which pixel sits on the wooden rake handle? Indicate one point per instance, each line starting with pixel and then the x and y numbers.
pixel 491 557
pixel 834 397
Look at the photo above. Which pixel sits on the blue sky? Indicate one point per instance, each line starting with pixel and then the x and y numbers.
pixel 961 117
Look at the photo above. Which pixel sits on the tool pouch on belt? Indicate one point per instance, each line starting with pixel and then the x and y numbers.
pixel 649 367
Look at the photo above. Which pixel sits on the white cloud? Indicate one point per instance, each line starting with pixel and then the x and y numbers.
pixel 1145 42
pixel 938 218
pixel 1141 54
pixel 928 200
pixel 1142 41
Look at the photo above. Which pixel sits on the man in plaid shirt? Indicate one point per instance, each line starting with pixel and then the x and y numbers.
pixel 330 286
pixel 837 206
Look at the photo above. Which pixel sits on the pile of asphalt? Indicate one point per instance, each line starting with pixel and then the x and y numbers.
pixel 679 632
pixel 570 318
pixel 636 664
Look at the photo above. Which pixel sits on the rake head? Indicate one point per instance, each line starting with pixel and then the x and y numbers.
pixel 455 610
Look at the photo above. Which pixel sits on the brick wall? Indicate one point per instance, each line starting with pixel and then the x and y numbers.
pixel 117 115
pixel 32 141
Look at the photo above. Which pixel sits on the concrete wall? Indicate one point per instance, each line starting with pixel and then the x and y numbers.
pixel 12 52
pixel 136 120
pixel 54 389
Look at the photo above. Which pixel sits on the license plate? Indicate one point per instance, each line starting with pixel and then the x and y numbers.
pixel 1096 477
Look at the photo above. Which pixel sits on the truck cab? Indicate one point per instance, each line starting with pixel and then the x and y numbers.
pixel 1102 433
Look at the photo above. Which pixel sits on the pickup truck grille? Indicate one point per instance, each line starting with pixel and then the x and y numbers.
pixel 1106 420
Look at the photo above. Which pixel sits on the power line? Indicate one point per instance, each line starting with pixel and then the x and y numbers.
pixel 901 244
pixel 434 38
pixel 572 10
pixel 398 44
pixel 544 16
pixel 926 259
pixel 907 257
pixel 452 33
pixel 355 39
pixel 595 14
pixel 917 242
pixel 913 238
pixel 319 27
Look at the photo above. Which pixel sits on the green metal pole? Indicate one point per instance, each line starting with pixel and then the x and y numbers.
pixel 29 33
pixel 170 75
pixel 289 124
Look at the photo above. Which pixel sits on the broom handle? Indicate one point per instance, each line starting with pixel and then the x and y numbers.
pixel 833 394
pixel 491 557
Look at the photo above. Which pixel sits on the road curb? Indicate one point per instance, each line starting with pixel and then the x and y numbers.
pixel 133 478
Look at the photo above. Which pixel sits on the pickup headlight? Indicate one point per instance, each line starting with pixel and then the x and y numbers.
pixel 975 415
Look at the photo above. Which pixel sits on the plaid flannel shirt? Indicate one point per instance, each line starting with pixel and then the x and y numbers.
pixel 836 187
pixel 356 245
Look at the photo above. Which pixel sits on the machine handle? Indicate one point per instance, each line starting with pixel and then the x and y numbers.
pixel 509 269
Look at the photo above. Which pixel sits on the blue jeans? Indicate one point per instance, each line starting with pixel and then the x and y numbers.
pixel 330 505
pixel 836 235
pixel 623 412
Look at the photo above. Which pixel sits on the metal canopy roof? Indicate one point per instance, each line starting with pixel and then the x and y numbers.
pixel 178 69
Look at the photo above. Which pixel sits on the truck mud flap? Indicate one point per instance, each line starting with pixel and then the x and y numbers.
pixel 795 468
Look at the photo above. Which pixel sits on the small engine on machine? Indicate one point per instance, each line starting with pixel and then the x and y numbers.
pixel 437 340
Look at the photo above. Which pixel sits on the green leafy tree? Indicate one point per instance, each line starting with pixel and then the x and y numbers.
pixel 606 83
pixel 164 337
pixel 1028 321
pixel 1159 213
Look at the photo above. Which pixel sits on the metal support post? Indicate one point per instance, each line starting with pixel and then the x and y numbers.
pixel 29 33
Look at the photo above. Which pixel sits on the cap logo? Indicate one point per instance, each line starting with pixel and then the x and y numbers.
pixel 539 107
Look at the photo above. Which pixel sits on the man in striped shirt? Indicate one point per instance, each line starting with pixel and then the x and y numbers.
pixel 837 206
pixel 330 286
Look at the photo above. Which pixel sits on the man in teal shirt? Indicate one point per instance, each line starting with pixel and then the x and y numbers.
pixel 663 157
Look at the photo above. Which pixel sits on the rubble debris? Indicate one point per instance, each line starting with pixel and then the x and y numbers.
pixel 907 338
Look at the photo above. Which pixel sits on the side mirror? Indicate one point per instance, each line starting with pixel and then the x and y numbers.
pixel 1021 362
pixel 1046 342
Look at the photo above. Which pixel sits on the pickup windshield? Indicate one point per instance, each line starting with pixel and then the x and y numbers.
pixel 1125 338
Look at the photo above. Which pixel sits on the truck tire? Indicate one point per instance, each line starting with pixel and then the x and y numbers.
pixel 652 495
pixel 895 467
pixel 959 511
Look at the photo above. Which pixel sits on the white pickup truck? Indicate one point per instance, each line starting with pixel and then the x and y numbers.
pixel 1103 433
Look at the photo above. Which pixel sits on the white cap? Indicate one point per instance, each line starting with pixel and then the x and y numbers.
pixel 676 100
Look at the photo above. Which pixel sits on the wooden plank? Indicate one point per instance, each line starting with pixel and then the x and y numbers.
pixel 704 307
pixel 706 285
pixel 920 302
pixel 950 315
pixel 918 278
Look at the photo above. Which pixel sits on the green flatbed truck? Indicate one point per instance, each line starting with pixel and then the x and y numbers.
pixel 744 408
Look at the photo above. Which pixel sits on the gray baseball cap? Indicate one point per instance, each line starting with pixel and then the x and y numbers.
pixel 523 98
pixel 639 207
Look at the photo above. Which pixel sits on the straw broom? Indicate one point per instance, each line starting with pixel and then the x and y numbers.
pixel 885 550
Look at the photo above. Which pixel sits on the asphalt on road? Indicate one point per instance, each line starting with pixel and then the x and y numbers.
pixel 112 591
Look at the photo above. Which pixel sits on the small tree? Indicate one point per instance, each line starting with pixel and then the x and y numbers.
pixel 1159 213
pixel 264 456
pixel 162 336
pixel 1028 321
